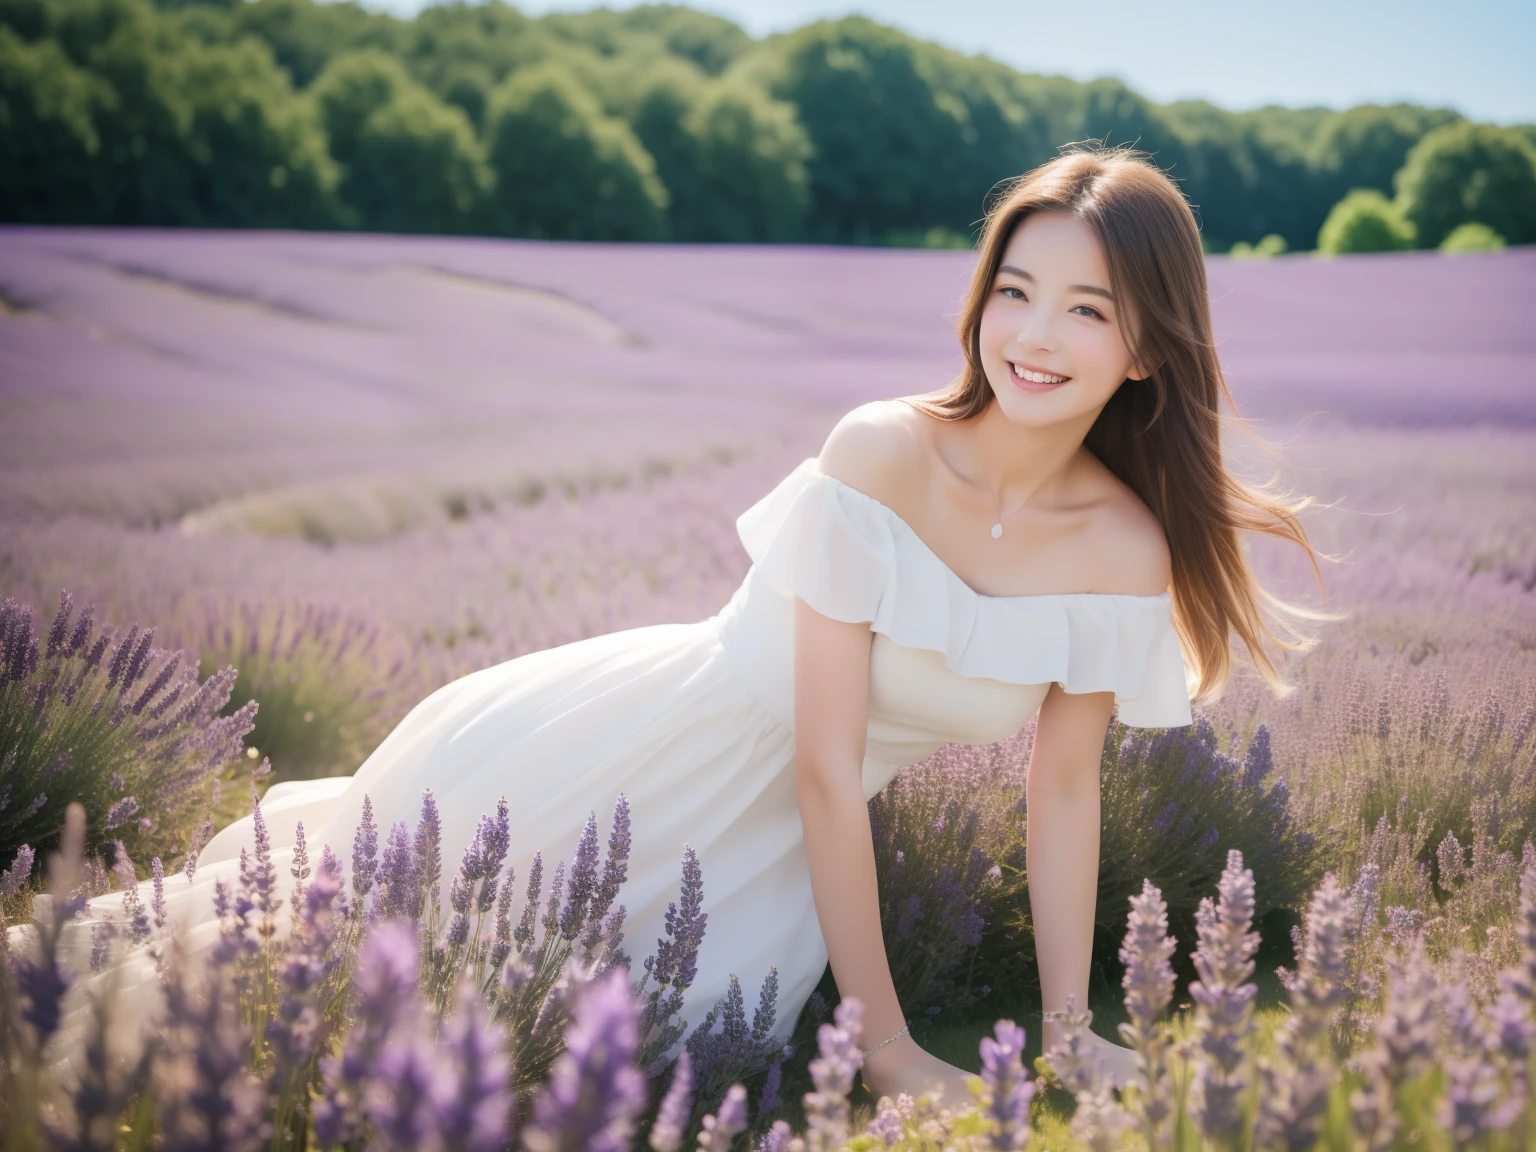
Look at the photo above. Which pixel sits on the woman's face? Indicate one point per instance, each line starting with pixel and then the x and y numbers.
pixel 1050 330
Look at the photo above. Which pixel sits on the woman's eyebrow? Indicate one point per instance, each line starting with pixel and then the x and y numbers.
pixel 1090 289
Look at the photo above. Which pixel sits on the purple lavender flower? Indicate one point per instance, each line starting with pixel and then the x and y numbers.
pixel 737 1049
pixel 1450 859
pixel 502 947
pixel 826 1109
pixel 60 625
pixel 496 838
pixel 1406 1041
pixel 205 1099
pixel 399 891
pixel 365 853
pixel 402 1097
pixel 258 875
pixel 1258 760
pixel 103 1088
pixel 524 932
pixel 676 1108
pixel 1148 981
pixel 134 912
pixel 1403 924
pixel 675 962
pixel 778 1138
pixel 14 877
pixel 551 917
pixel 298 869
pixel 157 905
pixel 888 1124
pixel 1009 1088
pixel 461 893
pixel 297 1031
pixel 720 1129
pixel 615 872
pixel 1294 1087
pixel 40 980
pixel 475 1104
pixel 102 935
pixel 583 881
pixel 594 1090
pixel 768 1099
pixel 1224 999
pixel 428 851
pixel 1469 1109
pixel 387 973
pixel 120 812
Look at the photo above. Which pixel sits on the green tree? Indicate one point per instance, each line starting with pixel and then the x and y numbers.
pixel 304 35
pixel 258 151
pixel 1465 173
pixel 707 41
pixel 656 113
pixel 48 137
pixel 416 167
pixel 143 166
pixel 1364 146
pixel 1472 237
pixel 884 138
pixel 1364 221
pixel 747 180
pixel 410 162
pixel 352 88
pixel 1271 245
pixel 462 51
pixel 563 168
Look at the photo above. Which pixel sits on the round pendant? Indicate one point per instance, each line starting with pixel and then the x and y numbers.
pixel 997 531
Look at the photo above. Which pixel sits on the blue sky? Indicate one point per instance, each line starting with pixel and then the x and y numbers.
pixel 1477 59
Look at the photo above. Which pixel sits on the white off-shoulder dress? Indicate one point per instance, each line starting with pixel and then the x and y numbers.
pixel 693 723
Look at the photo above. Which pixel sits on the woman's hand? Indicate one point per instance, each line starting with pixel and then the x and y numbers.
pixel 904 1067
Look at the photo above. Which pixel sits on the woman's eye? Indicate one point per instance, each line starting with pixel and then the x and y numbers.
pixel 1089 310
pixel 1012 293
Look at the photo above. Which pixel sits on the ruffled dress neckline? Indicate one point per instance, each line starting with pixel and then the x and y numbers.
pixel 852 558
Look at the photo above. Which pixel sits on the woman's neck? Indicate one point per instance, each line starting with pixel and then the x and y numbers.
pixel 1017 464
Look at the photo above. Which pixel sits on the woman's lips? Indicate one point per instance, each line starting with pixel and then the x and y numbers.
pixel 1032 379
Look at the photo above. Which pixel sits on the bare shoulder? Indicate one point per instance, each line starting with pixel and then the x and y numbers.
pixel 1125 537
pixel 879 448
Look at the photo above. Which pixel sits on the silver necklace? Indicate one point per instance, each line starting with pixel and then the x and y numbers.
pixel 997 528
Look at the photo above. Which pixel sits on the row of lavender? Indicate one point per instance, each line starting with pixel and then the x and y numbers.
pixel 949 836
pixel 368 1017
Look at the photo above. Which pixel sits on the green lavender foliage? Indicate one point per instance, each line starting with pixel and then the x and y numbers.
pixel 328 685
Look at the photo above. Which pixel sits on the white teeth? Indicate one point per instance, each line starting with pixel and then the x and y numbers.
pixel 1037 377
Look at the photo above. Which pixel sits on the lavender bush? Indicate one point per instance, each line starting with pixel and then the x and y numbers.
pixel 940 828
pixel 97 715
pixel 1172 804
pixel 329 685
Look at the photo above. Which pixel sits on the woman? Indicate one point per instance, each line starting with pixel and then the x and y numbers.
pixel 1052 535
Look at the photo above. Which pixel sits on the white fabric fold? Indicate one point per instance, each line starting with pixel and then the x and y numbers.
pixel 852 558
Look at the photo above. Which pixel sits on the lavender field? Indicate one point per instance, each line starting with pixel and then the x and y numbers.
pixel 354 467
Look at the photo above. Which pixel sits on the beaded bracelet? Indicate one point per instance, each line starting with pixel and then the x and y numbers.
pixel 905 1028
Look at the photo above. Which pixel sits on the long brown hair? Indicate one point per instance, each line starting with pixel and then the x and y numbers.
pixel 1161 436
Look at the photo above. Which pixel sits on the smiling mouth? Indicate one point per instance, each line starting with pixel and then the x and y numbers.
pixel 1034 377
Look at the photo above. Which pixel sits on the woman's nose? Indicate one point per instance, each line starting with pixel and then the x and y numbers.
pixel 1038 330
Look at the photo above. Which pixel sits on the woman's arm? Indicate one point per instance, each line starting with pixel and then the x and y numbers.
pixel 1062 853
pixel 831 722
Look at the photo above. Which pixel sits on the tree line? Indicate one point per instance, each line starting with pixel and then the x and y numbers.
pixel 655 123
